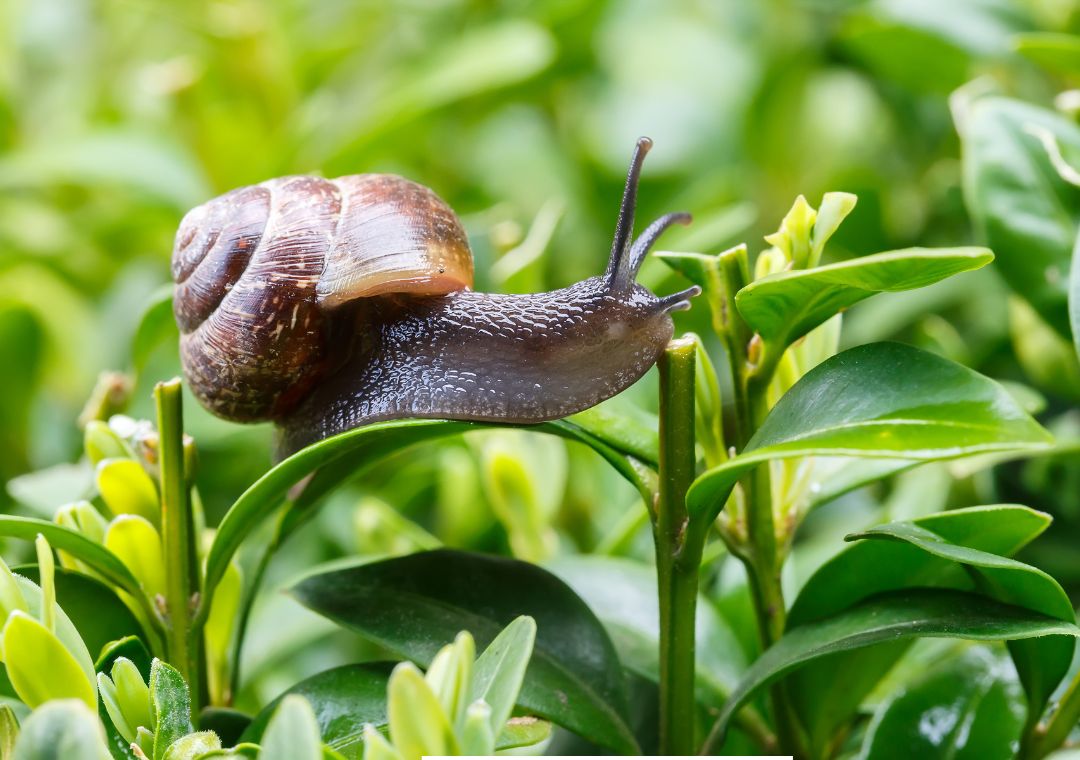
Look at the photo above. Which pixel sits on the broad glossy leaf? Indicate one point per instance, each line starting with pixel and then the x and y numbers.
pixel 889 617
pixel 969 708
pixel 1042 663
pixel 880 400
pixel 824 700
pixel 866 568
pixel 340 458
pixel 172 707
pixel 344 699
pixel 414 605
pixel 786 306
pixel 75 544
pixel 1027 214
pixel 62 730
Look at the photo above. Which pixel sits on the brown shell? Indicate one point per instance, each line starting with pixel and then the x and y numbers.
pixel 258 271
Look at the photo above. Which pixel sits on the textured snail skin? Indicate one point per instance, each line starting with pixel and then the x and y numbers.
pixel 487 357
pixel 323 305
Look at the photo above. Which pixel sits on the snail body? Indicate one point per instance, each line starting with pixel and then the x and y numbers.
pixel 327 304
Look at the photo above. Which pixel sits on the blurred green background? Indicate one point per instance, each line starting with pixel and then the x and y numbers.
pixel 117 116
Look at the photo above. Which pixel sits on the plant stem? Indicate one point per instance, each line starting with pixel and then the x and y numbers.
pixel 1049 736
pixel 679 544
pixel 765 551
pixel 178 539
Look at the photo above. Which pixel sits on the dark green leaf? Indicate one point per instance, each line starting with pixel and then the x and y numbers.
pixel 970 708
pixel 130 647
pixel 344 699
pixel 228 724
pixel 881 400
pixel 892 617
pixel 786 306
pixel 414 605
pixel 866 568
pixel 341 457
pixel 1027 213
pixel 1042 663
pixel 825 701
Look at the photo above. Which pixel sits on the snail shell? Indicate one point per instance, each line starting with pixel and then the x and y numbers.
pixel 260 270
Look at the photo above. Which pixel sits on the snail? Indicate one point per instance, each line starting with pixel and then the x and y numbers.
pixel 323 305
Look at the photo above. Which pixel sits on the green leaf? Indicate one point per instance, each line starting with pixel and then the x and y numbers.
pixel 418 724
pixel 1052 50
pixel 341 457
pixel 126 489
pixel 574 679
pixel 93 608
pixel 866 568
pixel 137 543
pixel 40 666
pixel 893 617
pixel 172 707
pixel 1041 664
pixel 880 400
pixel 624 427
pixel 500 670
pixel 9 731
pixel 785 306
pixel 967 709
pixel 344 699
pixel 129 647
pixel 75 544
pixel 194 746
pixel 156 325
pixel 292 733
pixel 1027 214
pixel 62 730
pixel 525 731
pixel 348 697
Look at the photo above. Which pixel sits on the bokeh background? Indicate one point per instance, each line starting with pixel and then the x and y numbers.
pixel 117 116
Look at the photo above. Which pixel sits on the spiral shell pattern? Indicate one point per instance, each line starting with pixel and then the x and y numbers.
pixel 261 271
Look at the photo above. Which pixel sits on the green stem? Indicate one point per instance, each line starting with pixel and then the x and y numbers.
pixel 767 550
pixel 1047 737
pixel 679 545
pixel 182 642
pixel 734 271
pixel 765 554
